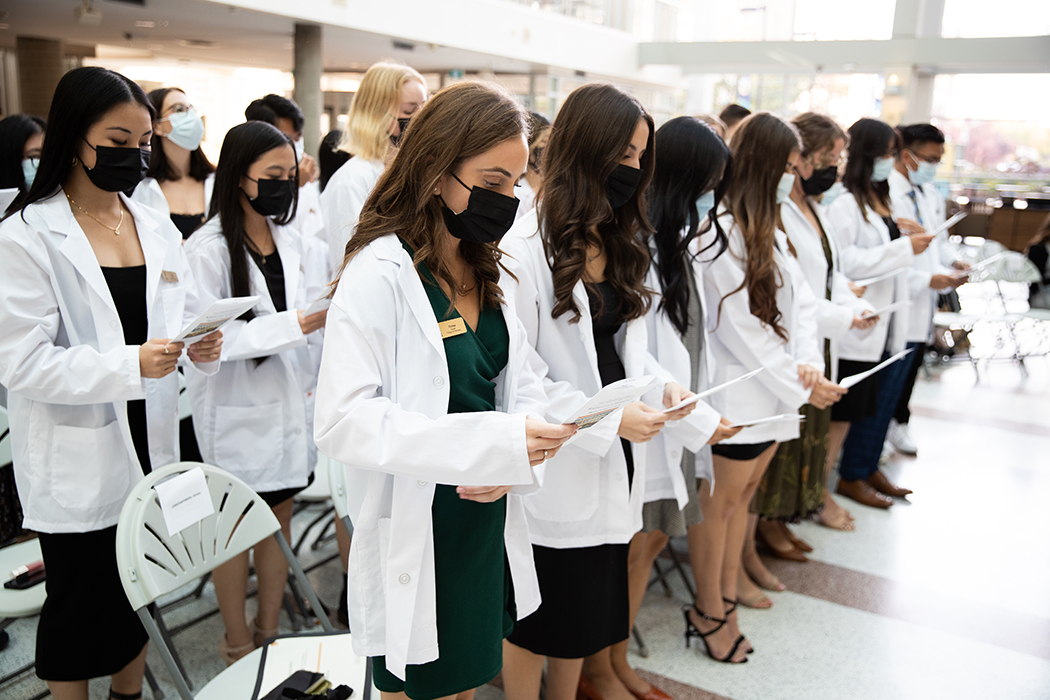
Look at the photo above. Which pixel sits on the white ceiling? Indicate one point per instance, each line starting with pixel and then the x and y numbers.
pixel 194 30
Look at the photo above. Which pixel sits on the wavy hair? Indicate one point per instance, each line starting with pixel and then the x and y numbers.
pixel 693 160
pixel 761 147
pixel 588 140
pixel 462 121
pixel 375 106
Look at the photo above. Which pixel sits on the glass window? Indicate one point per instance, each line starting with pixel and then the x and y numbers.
pixel 976 18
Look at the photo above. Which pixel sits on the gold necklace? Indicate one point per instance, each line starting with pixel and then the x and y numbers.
pixel 111 228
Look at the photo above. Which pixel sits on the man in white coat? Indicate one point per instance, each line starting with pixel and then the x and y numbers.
pixel 913 196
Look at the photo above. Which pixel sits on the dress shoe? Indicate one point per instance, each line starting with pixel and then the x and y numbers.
pixel 883 485
pixel 900 438
pixel 789 552
pixel 862 492
pixel 653 694
pixel 586 690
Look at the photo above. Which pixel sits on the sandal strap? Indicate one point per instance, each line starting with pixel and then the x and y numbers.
pixel 704 616
pixel 739 641
pixel 732 606
pixel 114 695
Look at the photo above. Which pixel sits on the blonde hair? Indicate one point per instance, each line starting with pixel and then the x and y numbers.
pixel 375 106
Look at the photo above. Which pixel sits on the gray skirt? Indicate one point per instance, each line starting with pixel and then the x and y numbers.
pixel 665 516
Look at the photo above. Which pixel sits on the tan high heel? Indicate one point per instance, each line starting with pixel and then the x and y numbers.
pixel 230 655
pixel 259 636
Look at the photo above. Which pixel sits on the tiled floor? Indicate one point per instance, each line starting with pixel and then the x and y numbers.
pixel 946 596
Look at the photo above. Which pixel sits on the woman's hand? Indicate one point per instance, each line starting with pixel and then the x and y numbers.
pixel 857 289
pixel 724 432
pixel 641 423
pixel 809 375
pixel 675 394
pixel 482 494
pixel 826 393
pixel 543 440
pixel 909 227
pixel 311 323
pixel 863 322
pixel 207 349
pixel 920 240
pixel 158 358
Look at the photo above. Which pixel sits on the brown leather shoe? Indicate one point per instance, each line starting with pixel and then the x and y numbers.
pixel 882 484
pixel 862 492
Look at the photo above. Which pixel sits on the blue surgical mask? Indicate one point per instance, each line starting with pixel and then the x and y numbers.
pixel 187 129
pixel 832 194
pixel 923 174
pixel 787 182
pixel 29 166
pixel 883 168
pixel 704 204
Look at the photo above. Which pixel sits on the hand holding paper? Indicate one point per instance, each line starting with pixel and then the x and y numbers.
pixel 612 397
pixel 215 317
pixel 855 379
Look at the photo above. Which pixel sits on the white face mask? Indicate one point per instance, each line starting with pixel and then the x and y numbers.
pixel 787 182
pixel 300 148
pixel 704 204
pixel 832 194
pixel 924 173
pixel 187 129
pixel 883 168
pixel 29 166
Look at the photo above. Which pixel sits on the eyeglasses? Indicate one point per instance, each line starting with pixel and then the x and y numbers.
pixel 932 160
pixel 826 162
pixel 180 109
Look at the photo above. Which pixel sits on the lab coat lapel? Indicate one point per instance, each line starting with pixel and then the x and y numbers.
pixel 290 262
pixel 585 328
pixel 412 289
pixel 154 249
pixel 78 251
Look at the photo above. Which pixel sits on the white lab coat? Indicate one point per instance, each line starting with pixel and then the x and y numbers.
pixel 69 372
pixel 834 316
pixel 742 343
pixel 308 219
pixel 342 201
pixel 585 500
pixel 382 409
pixel 148 192
pixel 928 263
pixel 865 250
pixel 254 419
pixel 663 474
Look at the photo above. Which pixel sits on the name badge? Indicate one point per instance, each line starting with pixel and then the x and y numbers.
pixel 452 328
pixel 168 276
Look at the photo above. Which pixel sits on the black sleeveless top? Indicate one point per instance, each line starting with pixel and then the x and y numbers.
pixel 604 327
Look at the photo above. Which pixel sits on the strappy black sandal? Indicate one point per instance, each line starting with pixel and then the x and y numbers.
pixel 691 631
pixel 732 609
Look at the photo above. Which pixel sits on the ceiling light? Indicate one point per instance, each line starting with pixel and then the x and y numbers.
pixel 145 24
pixel 87 15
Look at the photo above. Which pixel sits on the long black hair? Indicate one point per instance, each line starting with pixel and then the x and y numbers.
pixel 81 99
pixel 14 132
pixel 868 139
pixel 243 145
pixel 693 159
pixel 159 167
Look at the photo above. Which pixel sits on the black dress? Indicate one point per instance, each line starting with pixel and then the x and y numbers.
pixel 84 593
pixel 189 450
pixel 273 271
pixel 584 589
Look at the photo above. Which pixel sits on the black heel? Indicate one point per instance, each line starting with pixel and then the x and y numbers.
pixel 114 695
pixel 732 609
pixel 692 630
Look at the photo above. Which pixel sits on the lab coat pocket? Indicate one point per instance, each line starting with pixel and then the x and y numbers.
pixel 89 466
pixel 570 488
pixel 249 440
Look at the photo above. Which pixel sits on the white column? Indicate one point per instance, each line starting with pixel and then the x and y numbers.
pixel 307 93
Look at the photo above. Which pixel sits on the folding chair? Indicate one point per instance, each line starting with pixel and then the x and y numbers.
pixel 153 563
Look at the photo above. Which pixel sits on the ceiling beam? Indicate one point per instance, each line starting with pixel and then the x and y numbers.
pixel 933 55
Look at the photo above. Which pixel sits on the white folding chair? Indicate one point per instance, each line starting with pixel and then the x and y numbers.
pixel 153 563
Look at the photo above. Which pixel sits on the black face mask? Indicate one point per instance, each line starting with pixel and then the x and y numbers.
pixel 622 183
pixel 274 198
pixel 488 216
pixel 117 169
pixel 402 124
pixel 820 181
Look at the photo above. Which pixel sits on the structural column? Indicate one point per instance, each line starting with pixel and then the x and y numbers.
pixel 40 67
pixel 307 71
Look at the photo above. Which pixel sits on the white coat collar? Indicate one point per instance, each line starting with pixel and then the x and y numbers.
pixel 290 264
pixel 389 248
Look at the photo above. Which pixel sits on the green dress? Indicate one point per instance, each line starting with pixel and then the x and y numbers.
pixel 792 488
pixel 475 599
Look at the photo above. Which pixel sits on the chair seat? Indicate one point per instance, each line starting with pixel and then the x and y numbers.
pixel 20 603
pixel 238 681
pixel 319 490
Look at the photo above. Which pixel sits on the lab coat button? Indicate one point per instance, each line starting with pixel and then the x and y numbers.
pixel 675 454
pixel 421 484
pixel 619 476
pixel 404 579
pixel 298 431
pixel 113 324
pixel 438 381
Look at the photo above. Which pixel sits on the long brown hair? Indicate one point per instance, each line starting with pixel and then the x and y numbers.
pixel 588 140
pixel 462 121
pixel 869 139
pixel 761 147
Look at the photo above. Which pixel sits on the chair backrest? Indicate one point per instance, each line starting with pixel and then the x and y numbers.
pixel 153 563
pixel 1013 267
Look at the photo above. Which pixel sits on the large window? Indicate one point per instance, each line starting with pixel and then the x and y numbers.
pixel 978 18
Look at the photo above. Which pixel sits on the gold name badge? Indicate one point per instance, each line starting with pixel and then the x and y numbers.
pixel 168 276
pixel 450 329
